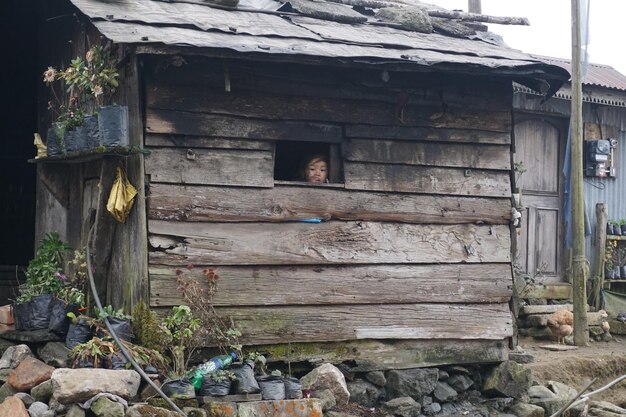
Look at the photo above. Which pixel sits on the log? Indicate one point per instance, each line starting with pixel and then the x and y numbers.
pixel 211 166
pixel 327 285
pixel 427 134
pixel 602 215
pixel 198 124
pixel 181 243
pixel 289 203
pixel 182 141
pixel 496 157
pixel 545 309
pixel 555 291
pixel 428 180
pixel 267 325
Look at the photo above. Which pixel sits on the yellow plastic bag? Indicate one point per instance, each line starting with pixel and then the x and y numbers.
pixel 122 196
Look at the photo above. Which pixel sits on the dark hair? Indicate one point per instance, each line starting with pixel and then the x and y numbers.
pixel 304 166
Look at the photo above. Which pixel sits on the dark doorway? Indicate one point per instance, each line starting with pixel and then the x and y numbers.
pixel 19 20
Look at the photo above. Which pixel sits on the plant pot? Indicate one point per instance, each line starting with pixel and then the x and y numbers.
pixel 617 230
pixel 40 312
pixel 244 382
pixel 59 322
pixel 293 388
pixel 118 361
pixel 75 139
pixel 272 387
pixel 609 274
pixel 617 272
pixel 92 133
pixel 113 126
pixel 623 229
pixel 623 271
pixel 212 388
pixel 55 142
pixel 21 315
pixel 77 334
pixel 121 328
pixel 609 229
pixel 180 388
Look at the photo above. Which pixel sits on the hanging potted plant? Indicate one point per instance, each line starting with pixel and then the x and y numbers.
pixel 216 384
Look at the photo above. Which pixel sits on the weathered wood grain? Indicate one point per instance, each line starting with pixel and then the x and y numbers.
pixel 269 105
pixel 359 284
pixel 211 166
pixel 183 141
pixel 265 325
pixel 418 179
pixel 373 355
pixel 427 134
pixel 180 243
pixel 288 203
pixel 186 123
pixel 428 153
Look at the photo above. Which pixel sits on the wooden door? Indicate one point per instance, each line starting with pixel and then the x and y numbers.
pixel 539 145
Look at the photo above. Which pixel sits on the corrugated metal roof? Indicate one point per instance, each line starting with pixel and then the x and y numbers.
pixel 597 74
pixel 192 24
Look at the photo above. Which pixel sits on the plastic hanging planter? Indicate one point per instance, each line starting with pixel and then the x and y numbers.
pixel 113 126
pixel 40 313
pixel 244 382
pixel 272 387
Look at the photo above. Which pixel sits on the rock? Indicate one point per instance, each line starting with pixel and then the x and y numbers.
pixel 551 397
pixel 521 357
pixel 6 315
pixel 104 407
pixel 221 409
pixel 414 383
pixel 4 345
pixel 527 410
pixel 75 411
pixel 432 408
pixel 6 391
pixel 606 337
pixel 508 379
pixel 29 373
pixel 56 406
pixel 27 399
pixel 376 378
pixel 144 410
pixel 147 391
pixel 332 413
pixel 13 407
pixel 409 18
pixel 14 355
pixel 4 375
pixel 180 402
pixel 195 412
pixel 326 397
pixel 541 333
pixel 403 406
pixel 37 409
pixel 443 375
pixel 460 383
pixel 605 409
pixel 449 409
pixel 293 408
pixel 329 377
pixel 457 369
pixel 444 392
pixel 79 385
pixel 42 392
pixel 55 354
pixel 364 393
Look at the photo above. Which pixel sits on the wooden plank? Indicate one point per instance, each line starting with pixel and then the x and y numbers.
pixel 266 325
pixel 556 291
pixel 545 309
pixel 211 166
pixel 289 203
pixel 181 243
pixel 417 179
pixel 427 134
pixel 434 154
pixel 183 141
pixel 185 123
pixel 375 355
pixel 359 284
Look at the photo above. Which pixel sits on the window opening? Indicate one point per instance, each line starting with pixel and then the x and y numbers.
pixel 291 158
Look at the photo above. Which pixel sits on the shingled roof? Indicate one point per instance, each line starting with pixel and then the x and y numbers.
pixel 318 31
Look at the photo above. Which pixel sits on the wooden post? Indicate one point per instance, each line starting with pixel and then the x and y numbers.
pixel 579 262
pixel 474 6
pixel 600 242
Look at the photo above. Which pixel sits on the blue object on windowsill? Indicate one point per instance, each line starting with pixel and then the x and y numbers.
pixel 310 220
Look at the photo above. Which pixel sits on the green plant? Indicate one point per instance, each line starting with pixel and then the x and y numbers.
pixel 43 275
pixel 108 311
pixel 519 168
pixel 93 351
pixel 259 360
pixel 178 329
pixel 146 326
pixel 80 318
pixel 221 375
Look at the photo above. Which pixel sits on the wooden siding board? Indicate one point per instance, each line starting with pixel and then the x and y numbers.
pixel 496 157
pixel 288 203
pixel 211 166
pixel 359 284
pixel 186 123
pixel 427 134
pixel 183 141
pixel 180 243
pixel 419 179
pixel 260 325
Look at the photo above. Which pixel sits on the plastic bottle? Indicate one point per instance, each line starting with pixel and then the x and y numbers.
pixel 212 365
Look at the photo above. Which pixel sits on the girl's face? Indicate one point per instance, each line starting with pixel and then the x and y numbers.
pixel 316 171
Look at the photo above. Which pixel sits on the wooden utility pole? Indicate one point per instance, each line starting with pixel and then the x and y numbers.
pixel 580 271
pixel 600 244
pixel 474 6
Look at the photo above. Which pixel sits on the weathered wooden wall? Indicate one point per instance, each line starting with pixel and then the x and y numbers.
pixel 415 242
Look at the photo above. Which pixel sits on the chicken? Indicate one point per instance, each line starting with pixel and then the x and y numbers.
pixel 560 324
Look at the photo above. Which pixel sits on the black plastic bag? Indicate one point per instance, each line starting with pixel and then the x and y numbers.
pixel 113 126
pixel 40 312
pixel 212 388
pixel 244 382
pixel 121 328
pixel 21 315
pixel 272 387
pixel 59 322
pixel 293 388
pixel 179 389
pixel 77 334
pixel 118 361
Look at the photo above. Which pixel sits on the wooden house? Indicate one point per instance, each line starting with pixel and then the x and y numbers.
pixel 410 263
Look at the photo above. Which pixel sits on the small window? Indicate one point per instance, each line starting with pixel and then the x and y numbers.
pixel 291 157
